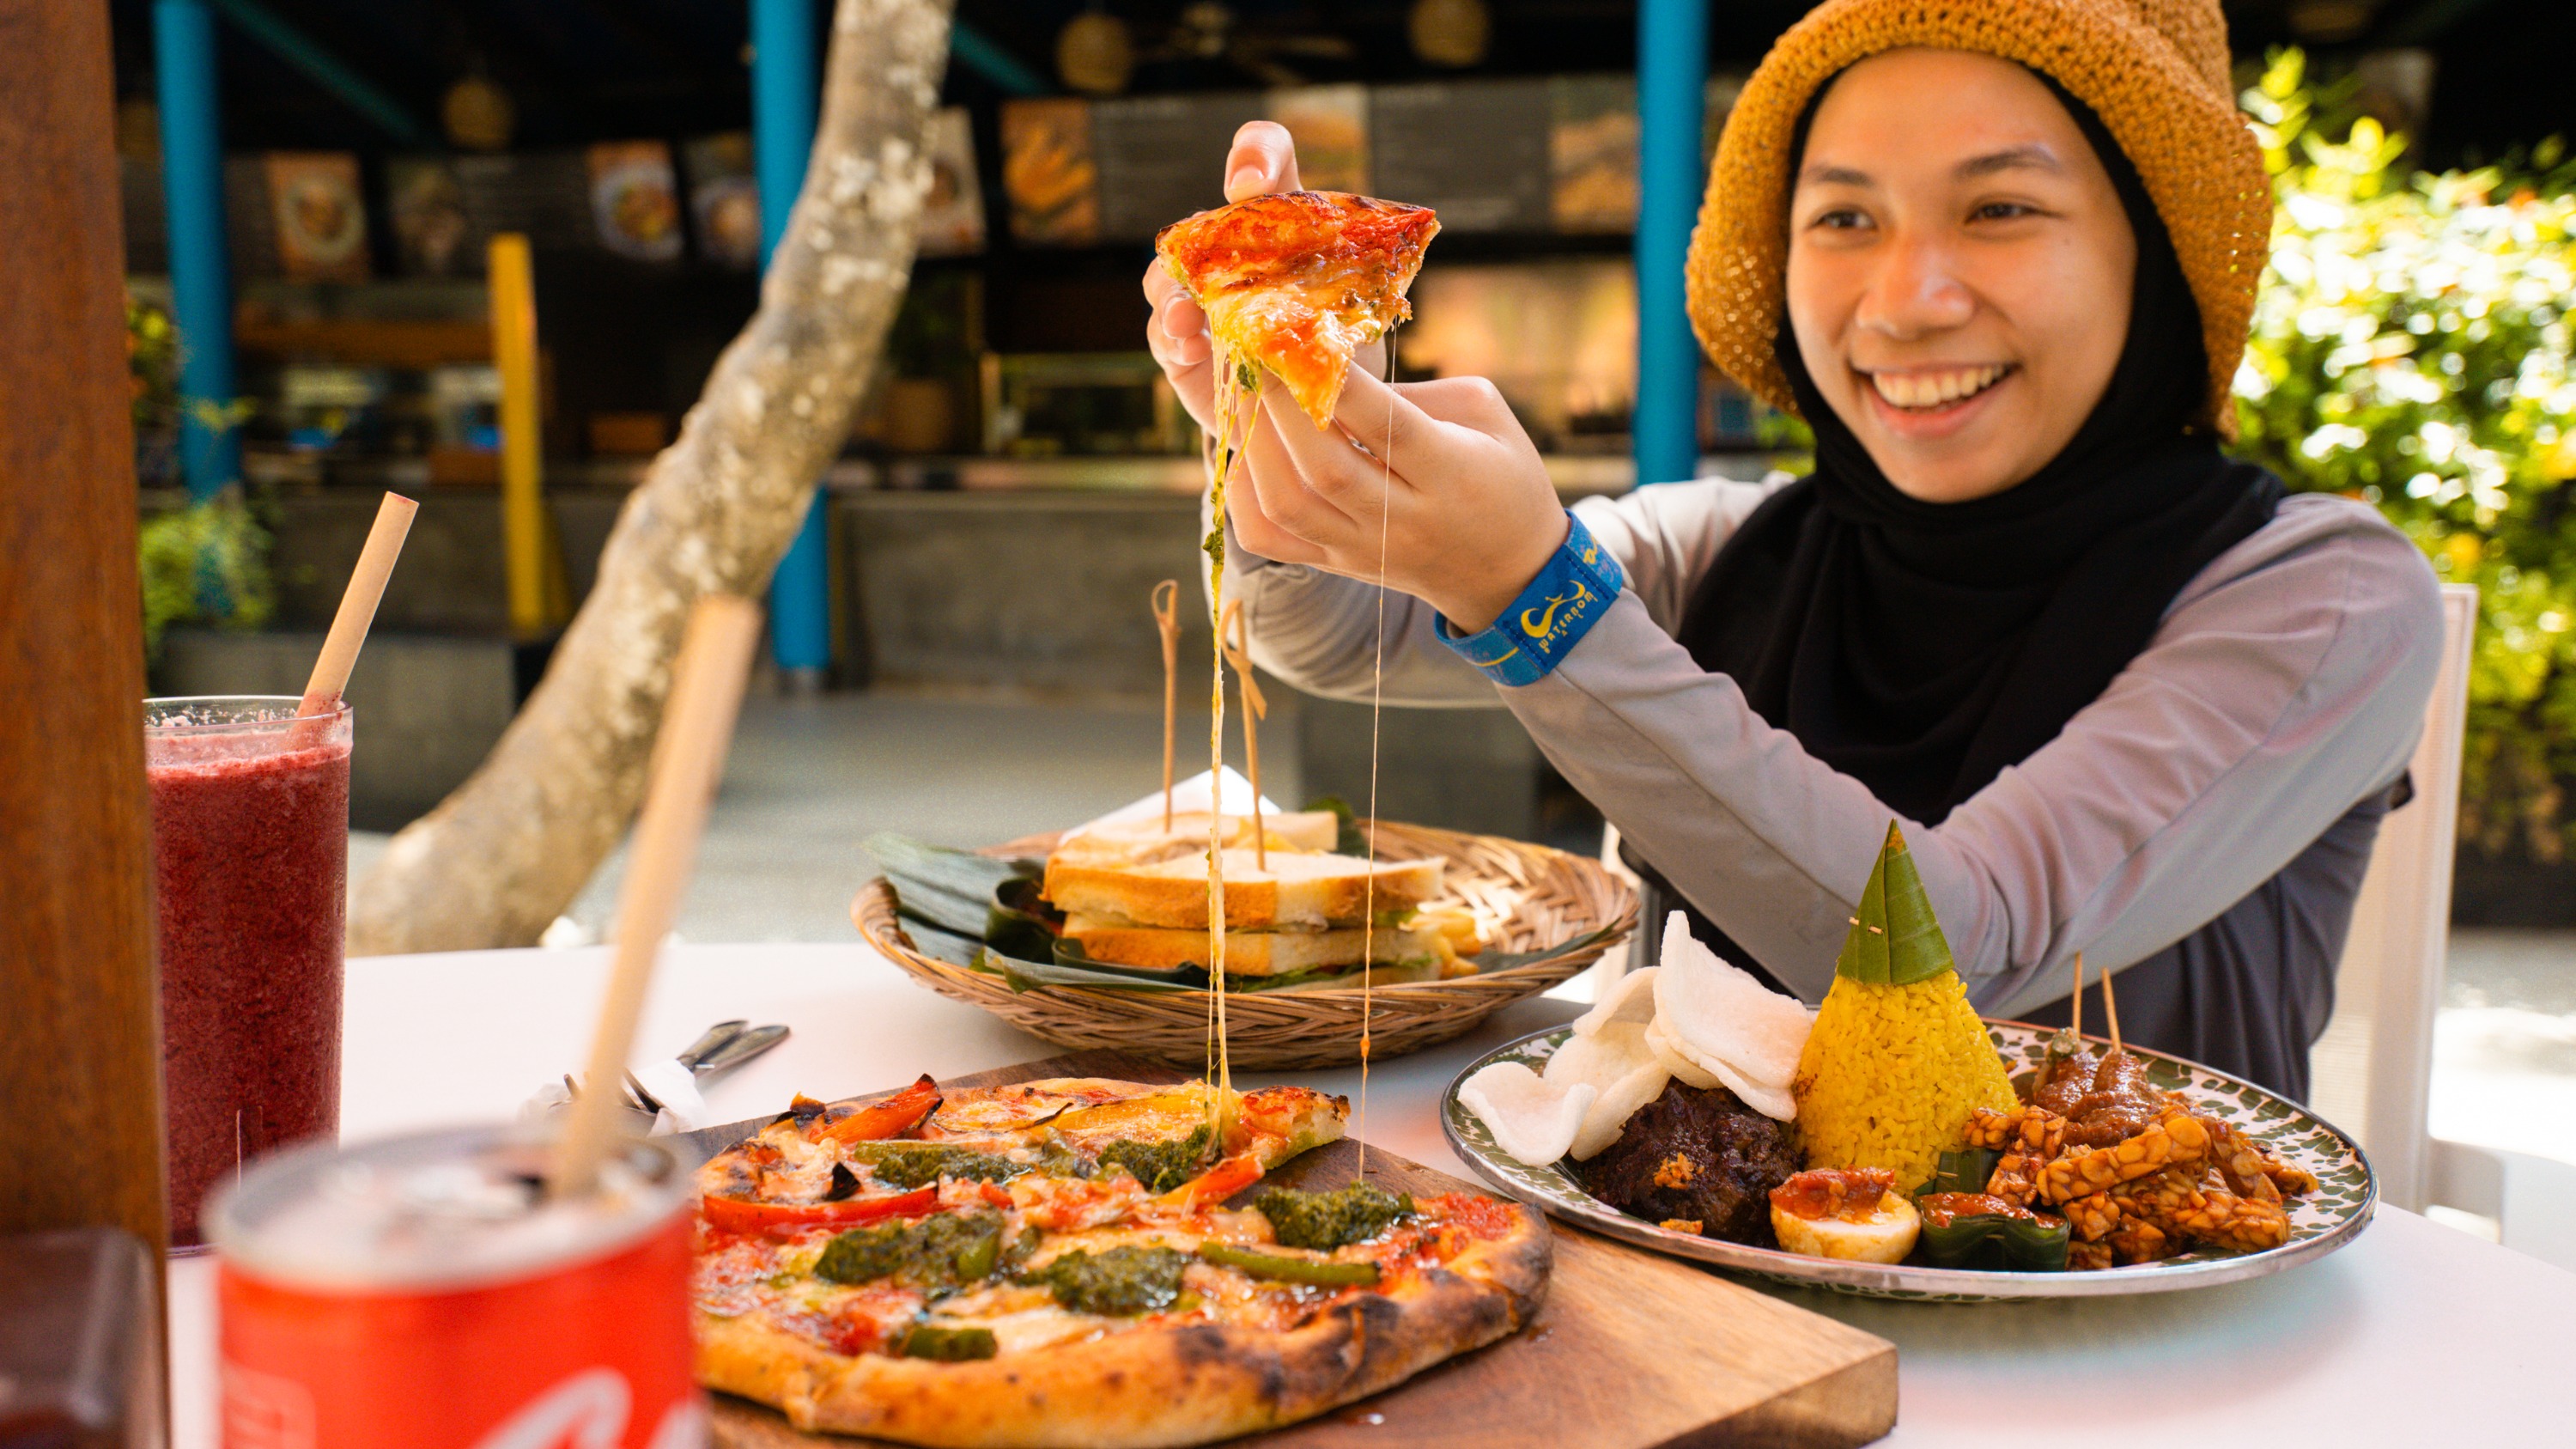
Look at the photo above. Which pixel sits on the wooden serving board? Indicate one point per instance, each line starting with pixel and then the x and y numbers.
pixel 1631 1350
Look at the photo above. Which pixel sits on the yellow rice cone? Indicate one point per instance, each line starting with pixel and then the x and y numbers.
pixel 1895 1065
pixel 1890 1075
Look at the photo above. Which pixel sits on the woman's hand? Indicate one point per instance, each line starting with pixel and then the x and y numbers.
pixel 1263 161
pixel 1468 512
pixel 1470 516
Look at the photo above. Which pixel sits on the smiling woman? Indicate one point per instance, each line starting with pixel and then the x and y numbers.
pixel 2127 699
pixel 1959 269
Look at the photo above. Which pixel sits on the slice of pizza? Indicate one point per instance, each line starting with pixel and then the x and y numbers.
pixel 1018 1266
pixel 1298 281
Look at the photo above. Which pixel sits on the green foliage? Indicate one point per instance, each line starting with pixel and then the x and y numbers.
pixel 207 563
pixel 2411 347
pixel 152 363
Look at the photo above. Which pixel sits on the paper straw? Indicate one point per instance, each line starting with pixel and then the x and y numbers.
pixel 688 758
pixel 358 606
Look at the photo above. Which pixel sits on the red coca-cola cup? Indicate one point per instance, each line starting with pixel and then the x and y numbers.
pixel 422 1292
pixel 250 853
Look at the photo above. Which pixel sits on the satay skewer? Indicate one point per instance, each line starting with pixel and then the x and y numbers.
pixel 2111 1008
pixel 2075 1022
pixel 1166 603
pixel 1234 636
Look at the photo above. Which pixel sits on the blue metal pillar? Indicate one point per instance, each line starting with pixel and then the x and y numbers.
pixel 1672 106
pixel 201 284
pixel 784 83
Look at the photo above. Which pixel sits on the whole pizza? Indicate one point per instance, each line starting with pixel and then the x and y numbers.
pixel 1082 1262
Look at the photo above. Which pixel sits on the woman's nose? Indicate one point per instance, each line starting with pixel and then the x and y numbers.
pixel 1914 290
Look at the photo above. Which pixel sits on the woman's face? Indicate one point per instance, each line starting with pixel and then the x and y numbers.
pixel 1959 269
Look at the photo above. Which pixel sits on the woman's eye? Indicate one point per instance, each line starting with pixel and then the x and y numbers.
pixel 1841 218
pixel 2002 211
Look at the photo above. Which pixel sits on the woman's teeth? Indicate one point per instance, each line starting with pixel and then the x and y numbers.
pixel 1935 389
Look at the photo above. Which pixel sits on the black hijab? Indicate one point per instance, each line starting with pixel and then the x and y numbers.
pixel 1922 647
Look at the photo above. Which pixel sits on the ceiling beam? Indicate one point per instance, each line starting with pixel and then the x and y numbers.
pixel 326 70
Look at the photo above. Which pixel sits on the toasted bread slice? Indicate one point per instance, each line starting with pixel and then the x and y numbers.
pixel 1295 890
pixel 1143 842
pixel 1252 953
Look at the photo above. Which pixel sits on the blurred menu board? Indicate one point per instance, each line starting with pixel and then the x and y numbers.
pixel 319 216
pixel 724 198
pixel 1524 156
pixel 1048 175
pixel 544 194
pixel 1592 153
pixel 1163 157
pixel 952 216
pixel 1474 151
pixel 434 235
pixel 1330 126
pixel 635 199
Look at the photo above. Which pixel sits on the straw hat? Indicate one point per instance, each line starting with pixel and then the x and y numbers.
pixel 2155 71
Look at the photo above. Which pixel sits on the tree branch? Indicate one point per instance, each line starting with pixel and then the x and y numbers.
pixel 499 860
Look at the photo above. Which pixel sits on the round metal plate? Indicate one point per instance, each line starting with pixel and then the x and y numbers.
pixel 2320 1222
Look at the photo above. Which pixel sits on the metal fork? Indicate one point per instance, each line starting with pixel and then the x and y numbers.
pixel 719 1049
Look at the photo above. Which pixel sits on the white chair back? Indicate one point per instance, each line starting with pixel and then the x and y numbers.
pixel 2373 1071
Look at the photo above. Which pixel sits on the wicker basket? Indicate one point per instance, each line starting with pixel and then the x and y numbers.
pixel 1525 898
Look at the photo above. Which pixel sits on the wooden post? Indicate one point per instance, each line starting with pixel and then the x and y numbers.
pixel 523 499
pixel 80 1019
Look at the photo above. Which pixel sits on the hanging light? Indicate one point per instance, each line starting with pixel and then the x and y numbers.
pixel 478 115
pixel 1094 54
pixel 1451 33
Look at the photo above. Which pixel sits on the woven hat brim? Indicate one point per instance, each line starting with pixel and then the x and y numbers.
pixel 2200 163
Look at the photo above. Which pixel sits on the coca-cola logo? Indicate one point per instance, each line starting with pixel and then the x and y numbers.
pixel 587 1410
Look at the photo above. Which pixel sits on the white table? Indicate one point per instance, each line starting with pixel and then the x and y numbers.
pixel 2416 1334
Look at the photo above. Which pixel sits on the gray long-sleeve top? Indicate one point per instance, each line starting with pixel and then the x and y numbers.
pixel 2287 681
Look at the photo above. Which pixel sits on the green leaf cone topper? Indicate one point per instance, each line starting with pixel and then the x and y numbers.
pixel 1894 940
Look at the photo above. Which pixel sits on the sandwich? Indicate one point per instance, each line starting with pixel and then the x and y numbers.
pixel 1136 894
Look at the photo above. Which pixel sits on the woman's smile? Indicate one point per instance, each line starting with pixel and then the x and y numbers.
pixel 1931 402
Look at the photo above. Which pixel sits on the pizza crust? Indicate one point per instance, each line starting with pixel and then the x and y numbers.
pixel 1162 1385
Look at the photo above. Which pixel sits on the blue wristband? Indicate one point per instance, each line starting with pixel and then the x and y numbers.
pixel 1560 606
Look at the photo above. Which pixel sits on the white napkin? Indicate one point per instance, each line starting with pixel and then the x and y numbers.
pixel 545 1101
pixel 676 1088
pixel 1190 794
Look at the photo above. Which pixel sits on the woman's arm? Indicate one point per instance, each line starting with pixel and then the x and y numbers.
pixel 1318 630
pixel 2288 681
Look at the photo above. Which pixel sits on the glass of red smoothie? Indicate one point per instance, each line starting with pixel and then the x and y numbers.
pixel 250 854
